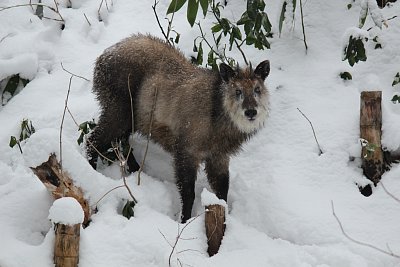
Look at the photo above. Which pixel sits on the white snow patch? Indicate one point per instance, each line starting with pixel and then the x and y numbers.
pixel 66 210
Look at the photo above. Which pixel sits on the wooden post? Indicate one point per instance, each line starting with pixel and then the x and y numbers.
pixel 215 227
pixel 370 130
pixel 66 246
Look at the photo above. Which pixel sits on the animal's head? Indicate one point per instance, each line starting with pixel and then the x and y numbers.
pixel 245 97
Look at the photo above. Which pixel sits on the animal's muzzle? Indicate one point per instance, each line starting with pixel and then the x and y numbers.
pixel 250 113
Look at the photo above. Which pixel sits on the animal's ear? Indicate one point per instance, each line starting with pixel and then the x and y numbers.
pixel 262 70
pixel 226 72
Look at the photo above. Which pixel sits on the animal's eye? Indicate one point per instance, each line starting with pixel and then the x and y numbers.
pixel 257 90
pixel 239 92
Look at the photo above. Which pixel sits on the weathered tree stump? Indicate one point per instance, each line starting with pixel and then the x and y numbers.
pixel 60 184
pixel 215 227
pixel 373 164
pixel 66 246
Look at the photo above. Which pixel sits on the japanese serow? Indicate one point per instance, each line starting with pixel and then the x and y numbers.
pixel 196 114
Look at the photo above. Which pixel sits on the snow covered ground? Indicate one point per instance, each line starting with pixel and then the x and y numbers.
pixel 281 189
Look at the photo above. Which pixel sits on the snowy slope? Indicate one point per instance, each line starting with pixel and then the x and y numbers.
pixel 281 189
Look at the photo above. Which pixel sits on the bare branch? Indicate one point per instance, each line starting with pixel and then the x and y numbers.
pixel 78 76
pixel 87 19
pixel 302 26
pixel 359 242
pixel 387 192
pixel 55 10
pixel 158 21
pixel 312 127
pixel 63 117
pixel 149 133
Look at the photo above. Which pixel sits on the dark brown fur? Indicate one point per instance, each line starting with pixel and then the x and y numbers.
pixel 193 117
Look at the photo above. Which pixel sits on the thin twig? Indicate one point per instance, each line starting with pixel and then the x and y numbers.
pixel 75 75
pixel 8 35
pixel 108 192
pixel 149 133
pixel 38 4
pixel 178 237
pixel 158 21
pixel 312 127
pixel 387 192
pixel 63 117
pixel 359 242
pixel 87 19
pixel 133 130
pixel 302 25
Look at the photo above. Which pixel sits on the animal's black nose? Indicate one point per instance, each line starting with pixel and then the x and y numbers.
pixel 250 113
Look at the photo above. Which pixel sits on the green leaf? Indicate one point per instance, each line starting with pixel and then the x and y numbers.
pixel 178 36
pixel 282 17
pixel 12 85
pixel 204 6
pixel 349 6
pixel 210 58
pixel 396 98
pixel 199 59
pixel 237 34
pixel 13 141
pixel 346 75
pixel 243 19
pixel 266 23
pixel 363 17
pixel 127 210
pixel 216 28
pixel 193 6
pixel 225 25
pixel 396 79
pixel 175 5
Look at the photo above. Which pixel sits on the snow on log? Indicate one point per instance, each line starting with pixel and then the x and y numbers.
pixel 370 133
pixel 67 216
pixel 214 220
pixel 60 184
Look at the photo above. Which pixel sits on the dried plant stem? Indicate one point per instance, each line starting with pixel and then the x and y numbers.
pixel 387 192
pixel 312 127
pixel 302 25
pixel 178 237
pixel 62 120
pixel 55 10
pixel 390 253
pixel 158 21
pixel 149 133
pixel 87 19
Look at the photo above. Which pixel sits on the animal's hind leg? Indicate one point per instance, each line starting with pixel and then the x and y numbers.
pixel 217 169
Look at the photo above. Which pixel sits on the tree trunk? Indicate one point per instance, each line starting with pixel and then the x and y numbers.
pixel 66 246
pixel 215 227
pixel 370 131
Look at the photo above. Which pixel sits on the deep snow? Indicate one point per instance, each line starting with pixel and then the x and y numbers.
pixel 281 189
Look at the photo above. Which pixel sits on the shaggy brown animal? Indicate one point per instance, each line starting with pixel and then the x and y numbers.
pixel 200 115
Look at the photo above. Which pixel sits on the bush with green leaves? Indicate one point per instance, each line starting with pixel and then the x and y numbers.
pixel 26 131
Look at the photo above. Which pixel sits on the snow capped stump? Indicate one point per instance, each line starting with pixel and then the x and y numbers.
pixel 214 220
pixel 67 216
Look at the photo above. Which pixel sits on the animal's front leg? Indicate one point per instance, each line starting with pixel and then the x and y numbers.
pixel 185 172
pixel 217 169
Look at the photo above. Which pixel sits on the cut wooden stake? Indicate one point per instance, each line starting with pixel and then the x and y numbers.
pixel 60 184
pixel 370 132
pixel 215 227
pixel 66 247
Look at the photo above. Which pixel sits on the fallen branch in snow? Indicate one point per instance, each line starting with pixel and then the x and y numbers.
pixel 60 184
pixel 312 127
pixel 390 253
